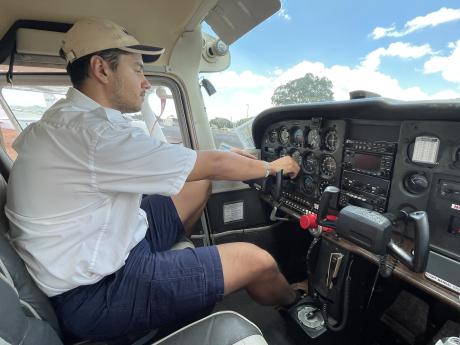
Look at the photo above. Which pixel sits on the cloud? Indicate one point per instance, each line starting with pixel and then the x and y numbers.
pixel 380 32
pixel 448 66
pixel 398 49
pixel 249 93
pixel 231 79
pixel 283 12
pixel 441 16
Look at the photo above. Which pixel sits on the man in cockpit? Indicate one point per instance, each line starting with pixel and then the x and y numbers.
pixel 89 240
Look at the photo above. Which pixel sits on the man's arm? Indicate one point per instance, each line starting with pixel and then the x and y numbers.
pixel 218 165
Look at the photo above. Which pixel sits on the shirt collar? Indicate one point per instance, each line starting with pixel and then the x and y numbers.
pixel 84 102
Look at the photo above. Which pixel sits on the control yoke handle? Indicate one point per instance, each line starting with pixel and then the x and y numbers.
pixel 325 204
pixel 416 262
pixel 372 231
pixel 278 186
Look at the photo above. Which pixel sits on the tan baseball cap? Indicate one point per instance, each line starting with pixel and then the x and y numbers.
pixel 91 35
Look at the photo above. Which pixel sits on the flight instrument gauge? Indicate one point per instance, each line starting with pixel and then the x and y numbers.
pixel 296 155
pixel 331 141
pixel 328 167
pixel 322 186
pixel 273 137
pixel 309 186
pixel 282 152
pixel 314 139
pixel 310 164
pixel 284 136
pixel 297 137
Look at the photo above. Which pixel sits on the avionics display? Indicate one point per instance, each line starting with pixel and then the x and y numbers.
pixel 366 173
pixel 365 162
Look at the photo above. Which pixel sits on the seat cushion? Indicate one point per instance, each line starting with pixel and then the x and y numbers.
pixel 22 281
pixel 222 328
pixel 18 328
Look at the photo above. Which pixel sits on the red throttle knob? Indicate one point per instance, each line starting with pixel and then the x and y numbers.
pixel 308 221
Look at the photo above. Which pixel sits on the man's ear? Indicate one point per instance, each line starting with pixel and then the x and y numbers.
pixel 99 69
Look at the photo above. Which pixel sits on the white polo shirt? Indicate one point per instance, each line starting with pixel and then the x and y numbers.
pixel 75 189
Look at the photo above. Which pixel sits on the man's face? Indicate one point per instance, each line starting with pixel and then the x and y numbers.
pixel 129 84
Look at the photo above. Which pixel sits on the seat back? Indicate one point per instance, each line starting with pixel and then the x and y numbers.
pixel 26 314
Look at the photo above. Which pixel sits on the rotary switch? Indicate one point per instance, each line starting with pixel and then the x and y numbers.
pixel 416 183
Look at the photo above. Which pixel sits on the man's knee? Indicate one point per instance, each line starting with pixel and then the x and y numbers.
pixel 263 259
pixel 244 263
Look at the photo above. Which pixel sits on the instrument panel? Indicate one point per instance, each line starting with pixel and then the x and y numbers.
pixel 384 155
pixel 383 165
pixel 316 145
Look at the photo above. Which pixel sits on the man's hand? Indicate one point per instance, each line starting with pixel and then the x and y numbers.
pixel 218 165
pixel 287 164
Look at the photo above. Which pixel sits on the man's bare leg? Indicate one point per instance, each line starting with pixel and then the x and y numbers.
pixel 247 266
pixel 191 201
pixel 244 265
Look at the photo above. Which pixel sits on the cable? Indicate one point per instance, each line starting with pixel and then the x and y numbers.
pixel 310 249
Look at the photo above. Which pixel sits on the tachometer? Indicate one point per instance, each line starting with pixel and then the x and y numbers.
pixel 284 136
pixel 331 140
pixel 328 167
pixel 310 164
pixel 314 139
pixel 297 137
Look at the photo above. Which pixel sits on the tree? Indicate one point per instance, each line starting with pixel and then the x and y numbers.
pixel 241 121
pixel 220 122
pixel 303 90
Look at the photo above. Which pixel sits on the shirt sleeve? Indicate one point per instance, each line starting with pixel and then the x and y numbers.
pixel 127 160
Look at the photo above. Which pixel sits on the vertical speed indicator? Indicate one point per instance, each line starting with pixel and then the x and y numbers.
pixel 331 141
pixel 328 167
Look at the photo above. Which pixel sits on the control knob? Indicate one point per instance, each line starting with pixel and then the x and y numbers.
pixel 416 183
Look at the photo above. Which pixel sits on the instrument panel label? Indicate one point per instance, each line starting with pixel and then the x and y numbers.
pixel 456 207
pixel 233 212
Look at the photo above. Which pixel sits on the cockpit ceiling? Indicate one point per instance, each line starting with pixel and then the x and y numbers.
pixel 155 22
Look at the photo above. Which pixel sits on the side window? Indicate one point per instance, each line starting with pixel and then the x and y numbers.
pixel 27 104
pixel 229 119
pixel 8 134
pixel 158 116
pixel 161 115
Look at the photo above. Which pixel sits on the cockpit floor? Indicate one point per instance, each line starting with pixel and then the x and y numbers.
pixel 270 322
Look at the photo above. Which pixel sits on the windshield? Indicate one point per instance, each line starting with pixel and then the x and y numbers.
pixel 322 50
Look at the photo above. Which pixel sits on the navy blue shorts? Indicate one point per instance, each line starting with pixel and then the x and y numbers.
pixel 155 287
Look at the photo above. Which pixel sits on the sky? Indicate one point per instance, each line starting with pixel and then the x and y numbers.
pixel 405 49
